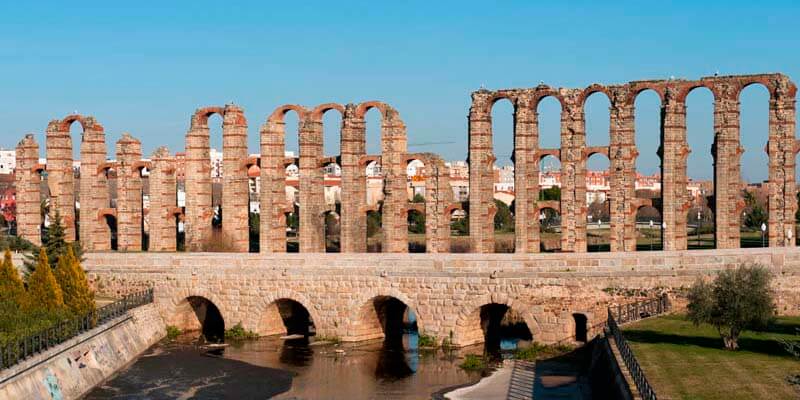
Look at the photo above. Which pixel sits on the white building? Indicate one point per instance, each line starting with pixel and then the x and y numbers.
pixel 8 161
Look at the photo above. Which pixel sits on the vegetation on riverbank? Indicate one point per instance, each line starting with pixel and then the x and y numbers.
pixel 680 359
pixel 238 333
pixel 50 293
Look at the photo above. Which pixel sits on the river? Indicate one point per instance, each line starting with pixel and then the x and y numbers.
pixel 289 369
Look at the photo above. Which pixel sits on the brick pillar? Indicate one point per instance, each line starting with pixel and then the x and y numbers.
pixel 438 197
pixel 393 164
pixel 727 178
pixel 312 194
pixel 28 197
pixel 622 157
pixel 526 177
pixel 197 223
pixel 273 186
pixel 481 186
pixel 573 174
pixel 354 181
pixel 674 152
pixel 129 194
pixel 235 182
pixel 94 192
pixel 163 200
pixel 782 186
pixel 60 176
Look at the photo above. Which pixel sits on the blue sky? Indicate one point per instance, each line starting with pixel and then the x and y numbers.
pixel 143 67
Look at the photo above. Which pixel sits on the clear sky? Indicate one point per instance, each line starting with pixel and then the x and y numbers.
pixel 143 67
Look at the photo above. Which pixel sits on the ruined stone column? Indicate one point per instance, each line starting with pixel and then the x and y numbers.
pixel 163 201
pixel 573 173
pixel 94 192
pixel 481 185
pixel 438 197
pixel 622 156
pixel 353 220
pixel 782 187
pixel 727 177
pixel 199 212
pixel 129 194
pixel 674 180
pixel 235 186
pixel 526 177
pixel 394 147
pixel 60 177
pixel 312 194
pixel 28 197
pixel 273 186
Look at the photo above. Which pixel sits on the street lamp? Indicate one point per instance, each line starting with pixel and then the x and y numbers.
pixel 663 231
pixel 651 238
pixel 789 234
pixel 763 231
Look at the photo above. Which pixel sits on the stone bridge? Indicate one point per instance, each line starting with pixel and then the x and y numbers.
pixel 345 295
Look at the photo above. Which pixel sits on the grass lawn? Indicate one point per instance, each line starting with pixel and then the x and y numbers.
pixel 682 361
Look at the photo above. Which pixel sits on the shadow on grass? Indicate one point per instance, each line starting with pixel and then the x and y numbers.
pixel 766 345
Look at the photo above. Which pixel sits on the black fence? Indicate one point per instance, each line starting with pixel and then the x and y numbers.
pixel 628 313
pixel 31 345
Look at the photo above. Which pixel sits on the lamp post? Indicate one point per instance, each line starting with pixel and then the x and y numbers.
pixel 789 234
pixel 663 232
pixel 763 231
pixel 651 238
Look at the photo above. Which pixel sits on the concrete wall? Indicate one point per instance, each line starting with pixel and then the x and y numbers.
pixel 71 369
pixel 445 290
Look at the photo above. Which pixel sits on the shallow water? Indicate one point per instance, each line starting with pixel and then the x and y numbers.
pixel 289 369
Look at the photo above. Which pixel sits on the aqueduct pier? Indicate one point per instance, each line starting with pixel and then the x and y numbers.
pixel 344 294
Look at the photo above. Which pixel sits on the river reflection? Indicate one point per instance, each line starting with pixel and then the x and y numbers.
pixel 267 367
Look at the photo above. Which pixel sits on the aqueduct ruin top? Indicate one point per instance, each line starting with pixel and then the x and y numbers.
pixel 92 229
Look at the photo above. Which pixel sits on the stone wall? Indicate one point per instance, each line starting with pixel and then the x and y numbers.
pixel 445 290
pixel 69 370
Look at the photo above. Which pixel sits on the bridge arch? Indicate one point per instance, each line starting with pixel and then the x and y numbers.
pixel 383 313
pixel 198 310
pixel 284 312
pixel 471 325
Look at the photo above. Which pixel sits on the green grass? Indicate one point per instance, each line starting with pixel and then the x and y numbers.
pixel 683 361
pixel 474 362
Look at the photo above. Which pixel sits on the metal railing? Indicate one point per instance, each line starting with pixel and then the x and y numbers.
pixel 628 313
pixel 13 353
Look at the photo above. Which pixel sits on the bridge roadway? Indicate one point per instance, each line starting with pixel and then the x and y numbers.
pixel 343 293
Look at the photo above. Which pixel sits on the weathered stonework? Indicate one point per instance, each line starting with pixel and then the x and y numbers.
pixel 129 198
pixel 164 210
pixel 28 181
pixel 445 290
pixel 573 155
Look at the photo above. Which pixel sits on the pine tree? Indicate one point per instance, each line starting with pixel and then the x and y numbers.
pixel 70 276
pixel 11 287
pixel 43 290
pixel 55 243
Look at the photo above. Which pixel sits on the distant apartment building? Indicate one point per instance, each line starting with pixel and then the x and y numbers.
pixel 8 161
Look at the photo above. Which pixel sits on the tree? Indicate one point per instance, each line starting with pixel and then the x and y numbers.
pixel 43 290
pixel 551 193
pixel 503 220
pixel 418 198
pixel 55 244
pixel 70 276
pixel 11 287
pixel 737 300
pixel 755 215
pixel 416 222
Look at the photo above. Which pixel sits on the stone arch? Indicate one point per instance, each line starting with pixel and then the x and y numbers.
pixel 753 200
pixel 593 89
pixel 267 319
pixel 468 329
pixel 280 113
pixel 366 323
pixel 361 110
pixel 180 312
pixel 637 88
pixel 201 115
pixel 685 88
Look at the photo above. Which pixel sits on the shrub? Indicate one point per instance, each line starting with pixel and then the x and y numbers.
pixel 11 287
pixel 43 290
pixel 173 332
pixel 426 340
pixel 237 332
pixel 78 298
pixel 737 300
pixel 55 244
pixel 218 242
pixel 474 362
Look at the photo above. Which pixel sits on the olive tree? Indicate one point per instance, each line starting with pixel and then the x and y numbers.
pixel 735 301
